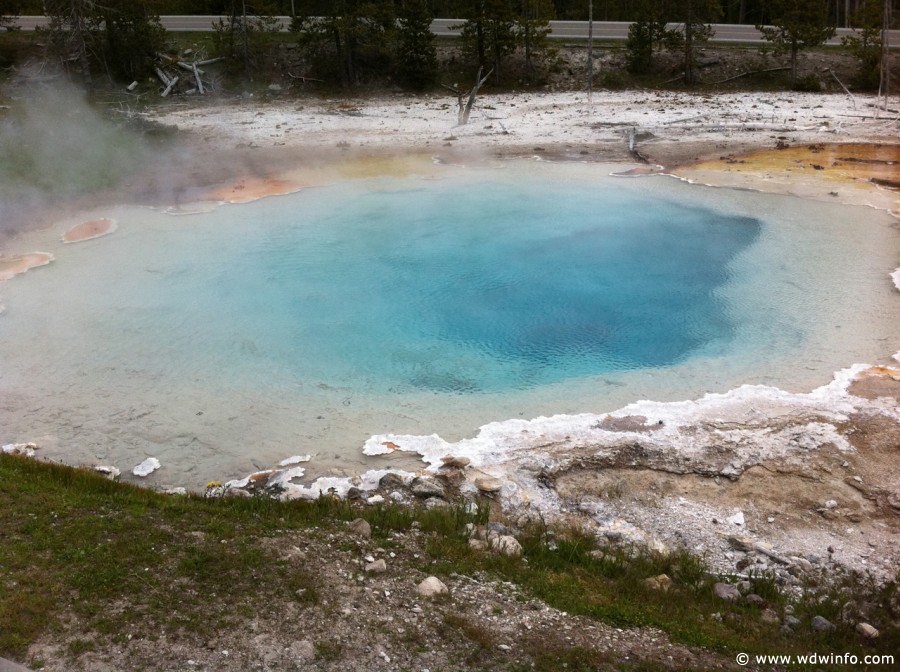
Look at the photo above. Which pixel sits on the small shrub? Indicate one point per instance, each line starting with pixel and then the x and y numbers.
pixel 613 79
pixel 808 84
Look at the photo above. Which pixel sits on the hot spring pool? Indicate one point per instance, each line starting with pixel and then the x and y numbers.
pixel 225 341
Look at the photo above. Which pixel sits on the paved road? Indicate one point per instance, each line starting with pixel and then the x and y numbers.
pixel 603 30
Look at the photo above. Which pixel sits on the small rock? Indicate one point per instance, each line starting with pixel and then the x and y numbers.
pixel 498 527
pixel 736 519
pixel 893 499
pixel 744 544
pixel 597 554
pixel 831 504
pixel 425 488
pixel 452 478
pixel 791 621
pixel 436 503
pixel 377 567
pixel 753 598
pixel 110 472
pixel 431 586
pixel 275 88
pixel 175 491
pixel 821 624
pixel 146 467
pixel 303 651
pixel 375 499
pixel 867 630
pixel 390 480
pixel 726 591
pixel 661 583
pixel 804 564
pixel 769 616
pixel 488 484
pixel 477 545
pixel 507 545
pixel 355 493
pixel 455 462
pixel 361 528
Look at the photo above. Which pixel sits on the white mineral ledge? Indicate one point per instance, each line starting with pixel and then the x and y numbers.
pixel 146 467
pixel 296 459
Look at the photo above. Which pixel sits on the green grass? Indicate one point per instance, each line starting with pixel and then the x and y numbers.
pixel 128 561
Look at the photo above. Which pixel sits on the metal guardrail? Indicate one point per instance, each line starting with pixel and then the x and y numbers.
pixel 560 30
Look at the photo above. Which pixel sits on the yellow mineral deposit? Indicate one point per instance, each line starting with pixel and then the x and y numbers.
pixel 859 173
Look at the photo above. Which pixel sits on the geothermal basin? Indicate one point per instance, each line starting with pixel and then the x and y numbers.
pixel 223 338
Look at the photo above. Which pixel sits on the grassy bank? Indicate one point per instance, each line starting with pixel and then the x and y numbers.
pixel 96 564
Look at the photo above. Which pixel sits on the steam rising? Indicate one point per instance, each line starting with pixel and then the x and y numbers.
pixel 54 146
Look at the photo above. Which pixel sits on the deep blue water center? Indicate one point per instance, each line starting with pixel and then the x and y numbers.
pixel 474 287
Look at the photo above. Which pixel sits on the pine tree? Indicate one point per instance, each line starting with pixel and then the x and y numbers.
pixel 644 35
pixel 695 30
pixel 351 41
pixel 865 44
pixel 533 28
pixel 797 25
pixel 9 12
pixel 417 66
pixel 489 33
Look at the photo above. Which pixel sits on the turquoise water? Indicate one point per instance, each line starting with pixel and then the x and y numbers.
pixel 401 288
pixel 223 342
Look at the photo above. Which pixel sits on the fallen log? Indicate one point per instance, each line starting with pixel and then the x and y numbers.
pixel 168 89
pixel 199 81
pixel 163 77
pixel 190 67
pixel 304 79
pixel 753 72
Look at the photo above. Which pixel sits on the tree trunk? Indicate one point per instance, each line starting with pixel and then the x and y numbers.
pixel 246 40
pixel 794 51
pixel 526 16
pixel 690 74
pixel 590 54
pixel 479 35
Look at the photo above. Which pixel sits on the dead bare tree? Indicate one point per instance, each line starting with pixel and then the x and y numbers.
pixel 465 109
pixel 70 26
